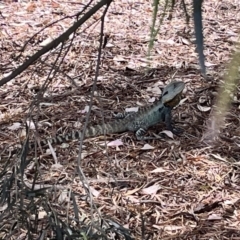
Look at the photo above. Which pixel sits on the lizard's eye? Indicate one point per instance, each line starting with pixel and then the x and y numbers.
pixel 160 109
pixel 165 93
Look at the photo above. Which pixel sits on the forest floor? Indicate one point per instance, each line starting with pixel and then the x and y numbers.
pixel 175 188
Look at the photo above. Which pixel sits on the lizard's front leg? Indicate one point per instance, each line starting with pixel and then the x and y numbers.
pixel 168 122
pixel 140 135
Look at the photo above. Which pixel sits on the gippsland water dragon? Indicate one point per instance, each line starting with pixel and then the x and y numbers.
pixel 137 122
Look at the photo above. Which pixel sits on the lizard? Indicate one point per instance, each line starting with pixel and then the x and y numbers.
pixel 137 122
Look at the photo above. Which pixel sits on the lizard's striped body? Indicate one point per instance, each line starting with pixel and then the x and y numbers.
pixel 137 122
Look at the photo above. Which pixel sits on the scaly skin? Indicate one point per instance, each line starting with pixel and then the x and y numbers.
pixel 137 122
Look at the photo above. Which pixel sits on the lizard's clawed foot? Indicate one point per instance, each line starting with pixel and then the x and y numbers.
pixel 177 131
pixel 161 135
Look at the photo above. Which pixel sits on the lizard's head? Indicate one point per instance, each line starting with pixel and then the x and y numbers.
pixel 171 95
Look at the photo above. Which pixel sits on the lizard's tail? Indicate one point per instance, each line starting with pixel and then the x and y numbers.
pixel 93 131
pixel 116 126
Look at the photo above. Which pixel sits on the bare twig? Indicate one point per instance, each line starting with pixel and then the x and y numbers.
pixel 54 43
pixel 79 169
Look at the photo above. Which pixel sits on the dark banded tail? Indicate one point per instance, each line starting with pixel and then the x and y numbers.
pixel 93 131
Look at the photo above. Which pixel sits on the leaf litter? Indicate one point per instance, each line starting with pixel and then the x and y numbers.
pixel 177 185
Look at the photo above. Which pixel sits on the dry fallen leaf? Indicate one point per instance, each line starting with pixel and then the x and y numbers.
pixel 57 166
pixel 14 126
pixel 119 59
pixel 130 192
pixel 31 7
pixel 203 108
pixel 94 192
pixel 45 42
pixel 168 133
pixel 214 217
pixel 55 4
pixel 151 190
pixel 115 143
pixel 63 197
pixel 185 41
pixel 170 42
pixel 208 64
pixel 171 228
pixel 31 124
pixel 155 90
pixel 183 100
pixel 86 109
pixel 151 100
pixel 147 147
pixel 41 214
pixel 132 109
pixel 158 170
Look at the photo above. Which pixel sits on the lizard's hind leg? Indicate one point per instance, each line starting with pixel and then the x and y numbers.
pixel 140 134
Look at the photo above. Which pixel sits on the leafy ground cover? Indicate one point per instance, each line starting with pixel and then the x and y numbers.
pixel 174 188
